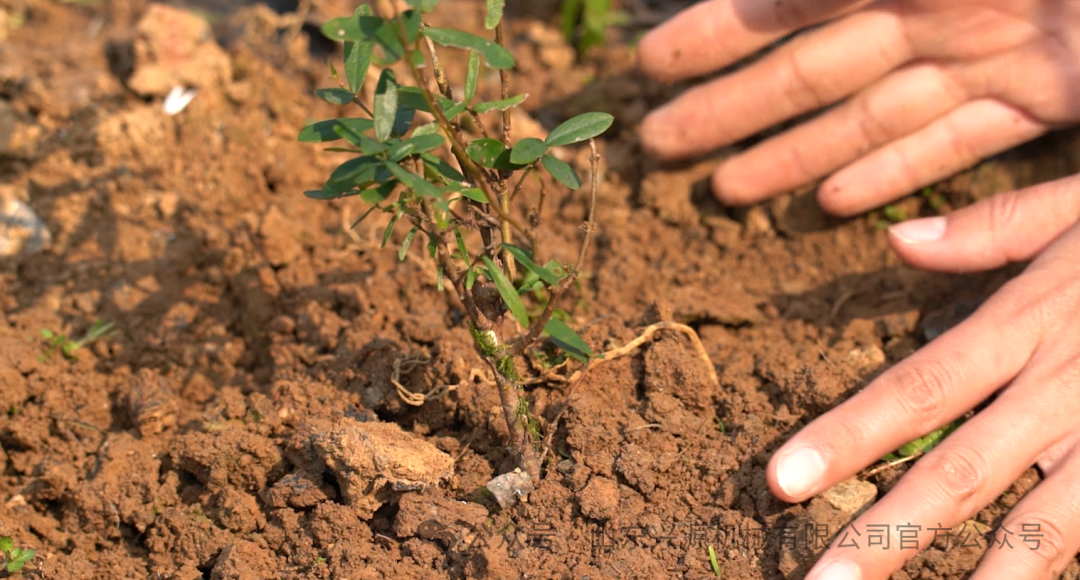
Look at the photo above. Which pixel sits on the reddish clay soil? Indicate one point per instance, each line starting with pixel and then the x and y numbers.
pixel 242 422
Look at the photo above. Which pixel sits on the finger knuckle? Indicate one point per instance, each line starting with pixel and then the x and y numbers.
pixel 958 472
pixel 921 391
pixel 1003 213
pixel 1044 538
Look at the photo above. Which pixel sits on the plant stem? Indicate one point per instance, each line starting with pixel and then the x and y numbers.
pixel 524 342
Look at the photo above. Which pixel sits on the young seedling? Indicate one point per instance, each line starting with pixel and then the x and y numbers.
pixel 461 194
pixel 586 22
pixel 15 558
pixel 59 342
pixel 915 449
pixel 712 560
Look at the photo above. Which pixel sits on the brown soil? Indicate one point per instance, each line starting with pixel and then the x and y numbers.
pixel 242 423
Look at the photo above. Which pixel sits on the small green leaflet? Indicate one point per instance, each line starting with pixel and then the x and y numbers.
pixel 323 131
pixel 494 13
pixel 526 260
pixel 378 194
pixel 472 75
pixel 475 194
pixel 386 105
pixel 561 171
pixel 390 226
pixel 565 338
pixel 406 243
pixel 501 105
pixel 441 167
pixel 337 97
pixel 358 55
pixel 528 150
pixel 411 180
pixel 580 128
pixel 924 443
pixel 461 247
pixel 506 290
pixel 494 55
pixel 414 145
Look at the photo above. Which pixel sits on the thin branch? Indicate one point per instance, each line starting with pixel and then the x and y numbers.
pixel 504 83
pixel 589 227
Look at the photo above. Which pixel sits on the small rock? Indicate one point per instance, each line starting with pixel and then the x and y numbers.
pixel 21 230
pixel 600 498
pixel 508 488
pixel 372 460
pixel 167 204
pixel 282 324
pixel 851 496
pixel 173 46
pixel 244 560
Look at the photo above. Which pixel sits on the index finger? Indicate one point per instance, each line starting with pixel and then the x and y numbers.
pixel 716 33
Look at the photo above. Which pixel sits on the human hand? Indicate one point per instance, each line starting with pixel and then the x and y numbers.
pixel 929 87
pixel 1023 343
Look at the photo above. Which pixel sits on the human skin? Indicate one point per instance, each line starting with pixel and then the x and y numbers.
pixel 917 90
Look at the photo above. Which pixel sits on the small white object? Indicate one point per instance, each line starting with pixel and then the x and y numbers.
pixel 178 100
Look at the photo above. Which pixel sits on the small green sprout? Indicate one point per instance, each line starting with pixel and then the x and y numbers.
pixel 925 443
pixel 67 346
pixel 712 560
pixel 894 214
pixel 16 558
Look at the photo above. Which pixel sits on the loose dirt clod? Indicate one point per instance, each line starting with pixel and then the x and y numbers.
pixel 151 403
pixel 509 488
pixel 372 460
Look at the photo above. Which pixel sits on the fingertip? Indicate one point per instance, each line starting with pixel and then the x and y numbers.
pixel 728 188
pixel 833 197
pixel 654 55
pixel 660 137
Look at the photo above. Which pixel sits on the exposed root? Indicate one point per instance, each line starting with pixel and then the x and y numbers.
pixel 410 363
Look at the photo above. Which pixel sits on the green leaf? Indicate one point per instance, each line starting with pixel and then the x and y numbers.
pixel 367 145
pixel 494 13
pixel 411 180
pixel 501 105
pixel 358 55
pixel 414 145
pixel 461 246
pixel 475 194
pixel 526 260
pixel 485 151
pixel 580 128
pixel 15 553
pixel 323 131
pixel 386 104
pixel 506 290
pixel 929 441
pixel 470 278
pixel 337 97
pixel 565 338
pixel 27 555
pixel 441 167
pixel 429 129
pixel 390 226
pixel 561 171
pixel 413 98
pixel 494 55
pixel 15 566
pixel 423 5
pixel 528 150
pixel 6 543
pixel 491 153
pixel 402 121
pixel 379 194
pixel 472 75
pixel 346 28
pixel 406 243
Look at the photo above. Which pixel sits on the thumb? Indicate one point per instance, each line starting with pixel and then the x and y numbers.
pixel 1008 227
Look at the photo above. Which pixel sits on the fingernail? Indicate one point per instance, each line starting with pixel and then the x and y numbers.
pixel 920 230
pixel 837 571
pixel 799 471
